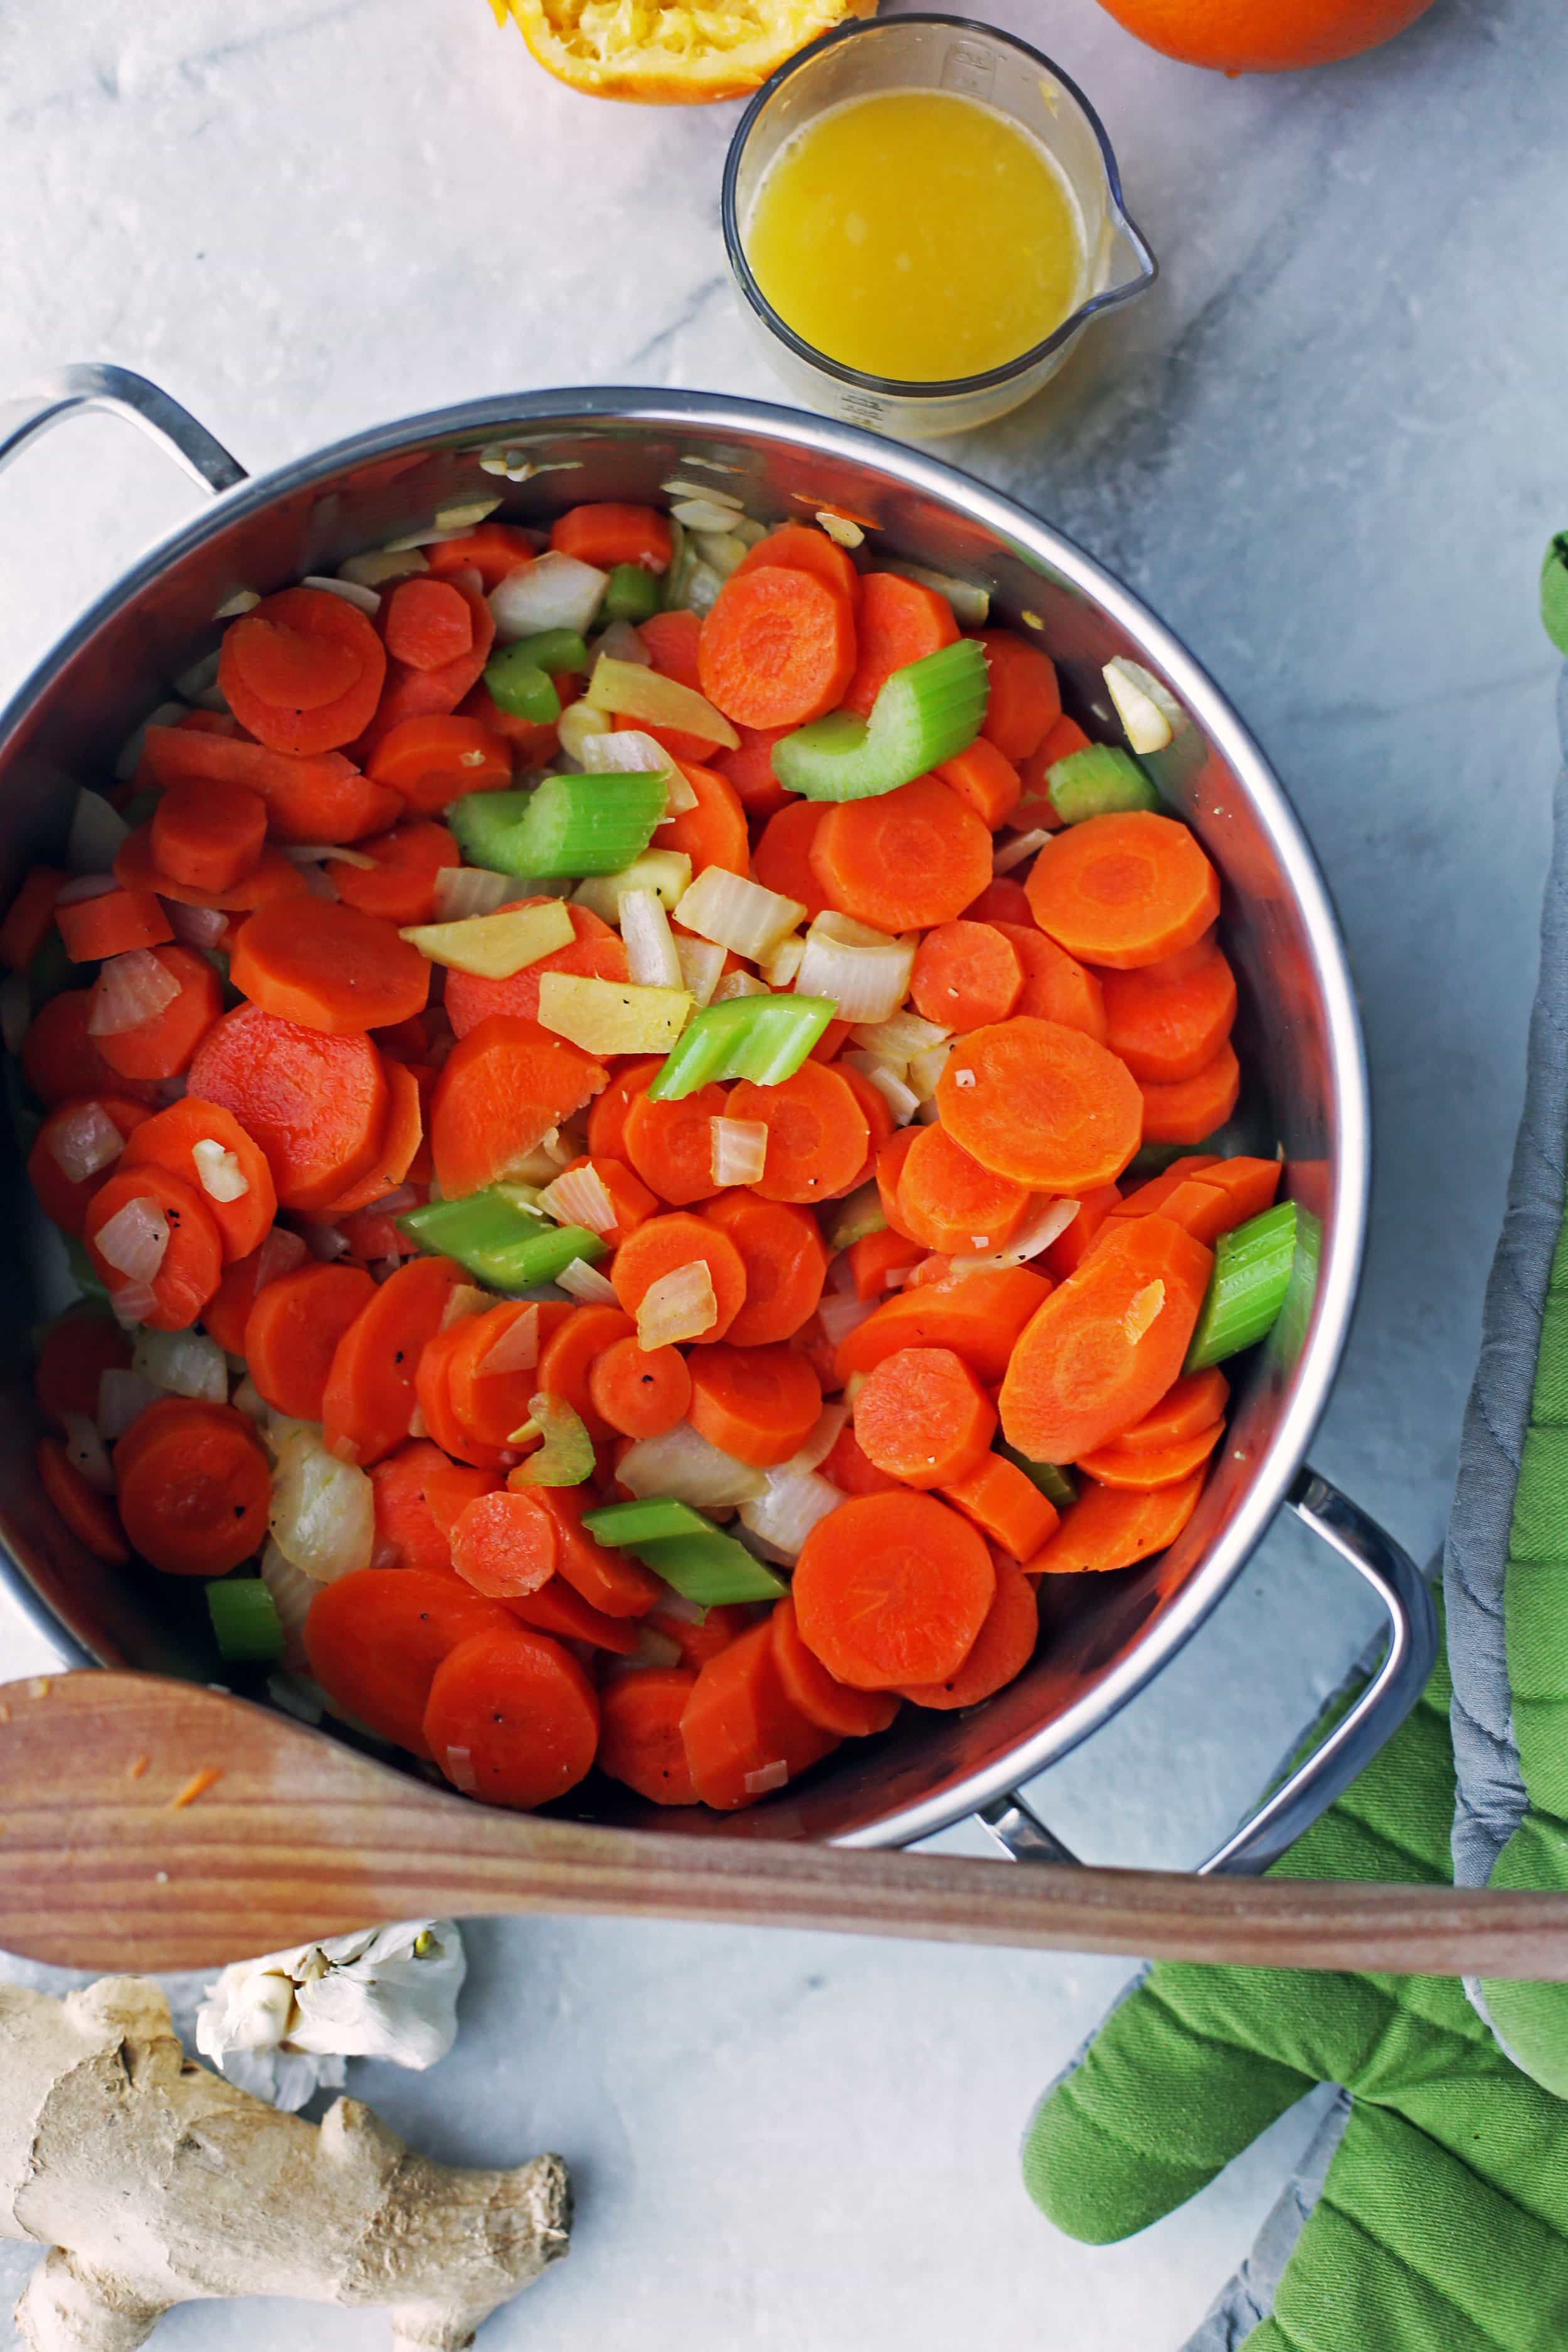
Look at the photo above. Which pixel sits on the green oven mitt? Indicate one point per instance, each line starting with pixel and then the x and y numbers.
pixel 1431 2213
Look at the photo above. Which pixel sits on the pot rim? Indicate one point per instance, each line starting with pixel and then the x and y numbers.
pixel 497 416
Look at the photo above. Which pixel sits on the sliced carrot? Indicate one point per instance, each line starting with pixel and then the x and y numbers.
pixel 986 780
pixel 778 648
pixel 670 1144
pixel 451 1487
pixel 1057 987
pixel 663 1244
pixel 489 1404
pixel 1036 807
pixel 1142 1469
pixel 614 532
pixel 898 622
pixel 112 924
pixel 316 1104
pixel 781 858
pixel 401 887
pixel 369 1398
pixel 90 1516
pixel 302 671
pixel 425 622
pixel 628 1196
pixel 28 917
pixel 1194 1403
pixel 700 1634
pixel 567 1358
pixel 1124 890
pixel 170 1140
pixel 208 834
pixel 558 1608
pixel 1167 1029
pixel 192 1264
pixel 818 1136
pixel 1108 1528
pixel 902 861
pixel 951 1203
pixel 327 966
pixel 162 1045
pixel 831 1705
pixel 1192 1109
pixel 227 1312
pixel 714 832
pixel 923 1417
pixel 743 1735
pixel 850 1469
pixel 879 1120
pixel 406 1535
pixel 1042 1104
pixel 432 758
pixel 758 1404
pixel 78 1348
pixel 400 1139
pixel 640 1392
pixel 610 1580
pixel 63 1200
pixel 375 1637
pixel 800 547
pixel 292 1333
pixel 829 1044
pixel 501 1089
pixel 274 875
pixel 1002 1647
pixel 431 693
pixel 433 1393
pixel 966 975
pixel 504 1544
pixel 1153 1195
pixel 530 742
pixel 782 1260
pixel 1223 1196
pixel 493 550
pixel 1024 701
pixel 749 770
pixel 595 952
pixel 610 1109
pixel 1006 1505
pixel 670 640
pixel 980 1317
pixel 892 1589
pixel 193 1492
pixel 1069 1249
pixel 1105 1346
pixel 875 1256
pixel 309 797
pixel 1002 901
pixel 639 1734
pixel 889 1172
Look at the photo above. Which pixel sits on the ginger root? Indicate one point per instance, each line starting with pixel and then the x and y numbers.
pixel 156 2182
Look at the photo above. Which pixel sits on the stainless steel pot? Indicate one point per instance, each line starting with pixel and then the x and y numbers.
pixel 1299 1034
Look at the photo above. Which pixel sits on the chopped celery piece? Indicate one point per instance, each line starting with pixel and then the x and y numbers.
pixel 924 714
pixel 245 1620
pixel 702 1563
pixel 855 1217
pixel 764 1038
pixel 1247 1289
pixel 498 1241
pixel 1555 593
pixel 523 687
pixel 1099 781
pixel 664 872
pixel 557 651
pixel 1057 1484
pixel 632 595
pixel 567 1456
pixel 565 825
pixel 83 1271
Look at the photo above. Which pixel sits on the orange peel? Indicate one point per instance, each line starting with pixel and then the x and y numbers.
pixel 670 52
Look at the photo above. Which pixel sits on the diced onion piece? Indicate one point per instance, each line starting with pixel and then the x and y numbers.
pixel 464 1298
pixel 293 1593
pixel 794 1501
pixel 724 552
pixel 766 1777
pixel 612 1016
pixel 701 966
pixel 353 592
pixel 249 1400
pixel 970 605
pixel 631 692
pixel 586 1284
pixel 313 853
pixel 465 890
pixel 830 1425
pixel 223 1178
pixel 122 1394
pixel 703 511
pixel 183 1363
pixel 463 514
pixel 629 752
pixel 85 886
pixel 16 1009
pixel 840 1315
pixel 1019 850
pixel 83 1140
pixel 1143 1311
pixel 326 1243
pixel 676 488
pixel 739 984
pixel 130 989
pixel 684 1466
pixel 194 685
pixel 324 1510
pixel 578 1197
pixel 739 1149
pixel 664 872
pixel 517 1348
pixel 579 725
pixel 97 835
pixel 1039 1229
pixel 681 1304
pixel 128 759
pixel 899 1038
pixel 378 567
pixel 653 1649
pixel 495 946
pixel 131 1303
pixel 736 913
pixel 1149 712
pixel 134 1239
pixel 842 529
pixel 196 927
pixel 553 592
pixel 781 964
pixel 866 976
pixel 925 1069
pixel 85 1447
pixel 281 1252
pixel 651 959
pixel 621 642
pixel 244 600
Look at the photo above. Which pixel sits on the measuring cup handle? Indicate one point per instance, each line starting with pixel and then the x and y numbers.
pixel 1378 1711
pixel 71 390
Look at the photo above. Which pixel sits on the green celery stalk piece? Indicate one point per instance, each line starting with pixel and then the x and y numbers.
pixel 555 650
pixel 566 825
pixel 1247 1287
pixel 1057 1484
pixel 653 1520
pixel 567 1456
pixel 709 1569
pixel 497 1242
pixel 859 1214
pixel 924 714
pixel 1102 780
pixel 1554 592
pixel 764 1038
pixel 632 595
pixel 245 1620
pixel 522 687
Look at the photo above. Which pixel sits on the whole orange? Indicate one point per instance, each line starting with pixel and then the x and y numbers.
pixel 1265 36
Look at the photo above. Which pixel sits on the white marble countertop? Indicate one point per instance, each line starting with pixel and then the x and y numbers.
pixel 1328 448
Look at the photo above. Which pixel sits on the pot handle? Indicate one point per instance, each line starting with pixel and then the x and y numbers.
pixel 1378 1711
pixel 73 389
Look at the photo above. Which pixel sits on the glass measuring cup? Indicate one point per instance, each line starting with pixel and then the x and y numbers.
pixel 967 60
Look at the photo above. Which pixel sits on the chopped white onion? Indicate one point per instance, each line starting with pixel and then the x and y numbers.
pixel 702 511
pixel 128 759
pixel 83 1140
pixel 842 529
pixel 701 966
pixel 554 592
pixel 281 1252
pixel 676 488
pixel 324 1510
pixel 128 989
pixel 840 1315
pixel 379 566
pixel 326 1243
pixel 249 1400
pixel 579 725
pixel 632 692
pixel 925 1070
pixel 684 1466
pixel 1019 850
pixel 244 600
pixel 766 1777
pixel 901 1099
pixel 85 886
pixel 16 1009
pixel 353 592
pixel 97 835
pixel 578 1197
pixel 293 1593
pixel 465 890
pixel 628 751
pixel 222 1177
pixel 183 1363
pixel 970 605
pixel 1149 712
pixel 586 1284
pixel 739 1149
pixel 196 927
pixel 393 1204
pixel 736 913
pixel 780 967
pixel 85 1448
pixel 200 679
pixel 517 1348
pixel 123 1396
pixel 739 984
pixel 653 1649
pixel 134 1240
pixel 866 976
pixel 1039 1229
pixel 830 1425
pixel 723 552
pixel 787 1512
pixel 681 1304
pixel 622 643
pixel 464 1298
pixel 651 958
pixel 131 1303
pixel 897 1038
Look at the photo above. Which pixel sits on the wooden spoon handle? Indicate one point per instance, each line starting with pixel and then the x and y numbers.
pixel 152 1824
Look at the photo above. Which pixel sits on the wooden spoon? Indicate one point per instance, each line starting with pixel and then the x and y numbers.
pixel 154 1825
